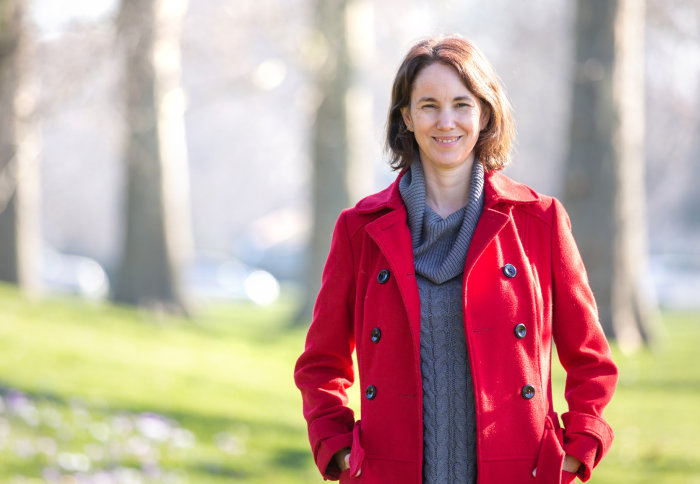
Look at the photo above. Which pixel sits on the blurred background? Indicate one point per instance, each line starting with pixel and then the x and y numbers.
pixel 170 173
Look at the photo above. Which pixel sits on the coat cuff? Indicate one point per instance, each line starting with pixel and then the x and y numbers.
pixel 326 450
pixel 585 449
pixel 587 438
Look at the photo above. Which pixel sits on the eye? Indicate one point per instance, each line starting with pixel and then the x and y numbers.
pixel 463 105
pixel 429 106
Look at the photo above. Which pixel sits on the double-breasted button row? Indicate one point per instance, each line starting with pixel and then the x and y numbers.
pixel 510 272
pixel 371 390
pixel 520 330
pixel 383 276
pixel 528 391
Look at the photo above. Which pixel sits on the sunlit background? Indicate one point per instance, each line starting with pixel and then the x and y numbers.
pixel 248 98
pixel 247 72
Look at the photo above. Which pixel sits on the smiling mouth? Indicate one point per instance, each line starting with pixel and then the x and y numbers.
pixel 447 140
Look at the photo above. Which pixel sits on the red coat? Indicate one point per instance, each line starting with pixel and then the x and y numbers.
pixel 549 294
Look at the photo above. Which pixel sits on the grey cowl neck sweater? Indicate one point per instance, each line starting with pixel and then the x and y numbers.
pixel 440 245
pixel 439 248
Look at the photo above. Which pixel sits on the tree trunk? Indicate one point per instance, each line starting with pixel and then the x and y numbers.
pixel 689 209
pixel 330 144
pixel 359 100
pixel 19 155
pixel 158 226
pixel 604 186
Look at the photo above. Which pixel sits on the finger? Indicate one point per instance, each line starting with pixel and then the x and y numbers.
pixel 534 472
pixel 359 471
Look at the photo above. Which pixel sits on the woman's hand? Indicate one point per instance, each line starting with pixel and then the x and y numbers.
pixel 571 464
pixel 342 458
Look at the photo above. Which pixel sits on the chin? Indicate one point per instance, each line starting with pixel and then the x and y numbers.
pixel 455 162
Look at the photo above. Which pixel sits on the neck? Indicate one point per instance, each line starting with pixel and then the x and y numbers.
pixel 447 190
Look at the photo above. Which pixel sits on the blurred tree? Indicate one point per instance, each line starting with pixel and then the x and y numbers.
pixel 19 155
pixel 330 141
pixel 158 226
pixel 604 185
pixel 680 22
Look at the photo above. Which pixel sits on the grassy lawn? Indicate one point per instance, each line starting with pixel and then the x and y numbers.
pixel 655 411
pixel 93 390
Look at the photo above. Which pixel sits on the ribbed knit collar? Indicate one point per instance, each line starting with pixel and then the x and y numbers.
pixel 440 245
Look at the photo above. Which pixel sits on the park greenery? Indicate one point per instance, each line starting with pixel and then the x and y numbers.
pixel 93 393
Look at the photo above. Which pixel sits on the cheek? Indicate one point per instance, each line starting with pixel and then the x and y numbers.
pixel 478 120
pixel 419 121
pixel 470 122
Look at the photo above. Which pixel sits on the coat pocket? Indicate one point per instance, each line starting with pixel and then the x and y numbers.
pixel 551 456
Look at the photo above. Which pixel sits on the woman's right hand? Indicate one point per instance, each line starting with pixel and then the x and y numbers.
pixel 342 459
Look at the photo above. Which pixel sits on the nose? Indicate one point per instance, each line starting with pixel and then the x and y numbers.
pixel 446 120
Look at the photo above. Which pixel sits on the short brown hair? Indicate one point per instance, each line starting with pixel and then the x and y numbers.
pixel 493 146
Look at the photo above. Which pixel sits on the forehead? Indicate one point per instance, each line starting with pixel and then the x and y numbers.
pixel 439 80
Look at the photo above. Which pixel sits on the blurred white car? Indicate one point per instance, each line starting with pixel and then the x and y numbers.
pixel 208 277
pixel 675 278
pixel 73 274
pixel 220 277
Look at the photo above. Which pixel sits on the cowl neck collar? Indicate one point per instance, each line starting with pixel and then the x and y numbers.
pixel 440 245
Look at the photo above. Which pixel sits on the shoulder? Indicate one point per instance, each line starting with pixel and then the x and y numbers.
pixel 374 206
pixel 376 202
pixel 502 190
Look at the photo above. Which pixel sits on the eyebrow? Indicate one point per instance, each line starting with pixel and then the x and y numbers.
pixel 458 98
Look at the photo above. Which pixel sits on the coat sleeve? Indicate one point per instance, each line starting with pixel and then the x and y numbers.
pixel 325 370
pixel 591 375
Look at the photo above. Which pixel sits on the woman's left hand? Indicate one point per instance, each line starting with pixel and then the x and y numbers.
pixel 571 464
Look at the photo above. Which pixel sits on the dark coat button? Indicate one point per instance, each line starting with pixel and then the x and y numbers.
pixel 520 331
pixel 371 392
pixel 509 270
pixel 376 335
pixel 528 392
pixel 383 276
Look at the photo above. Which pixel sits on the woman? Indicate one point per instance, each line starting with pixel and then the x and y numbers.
pixel 451 285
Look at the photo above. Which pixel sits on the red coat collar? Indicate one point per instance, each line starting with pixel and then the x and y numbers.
pixel 498 188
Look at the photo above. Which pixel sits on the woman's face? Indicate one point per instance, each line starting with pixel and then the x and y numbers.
pixel 445 118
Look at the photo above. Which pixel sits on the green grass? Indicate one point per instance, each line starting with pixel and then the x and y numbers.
pixel 655 412
pixel 221 386
pixel 225 377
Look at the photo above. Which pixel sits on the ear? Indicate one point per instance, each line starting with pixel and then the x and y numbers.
pixel 406 114
pixel 485 116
